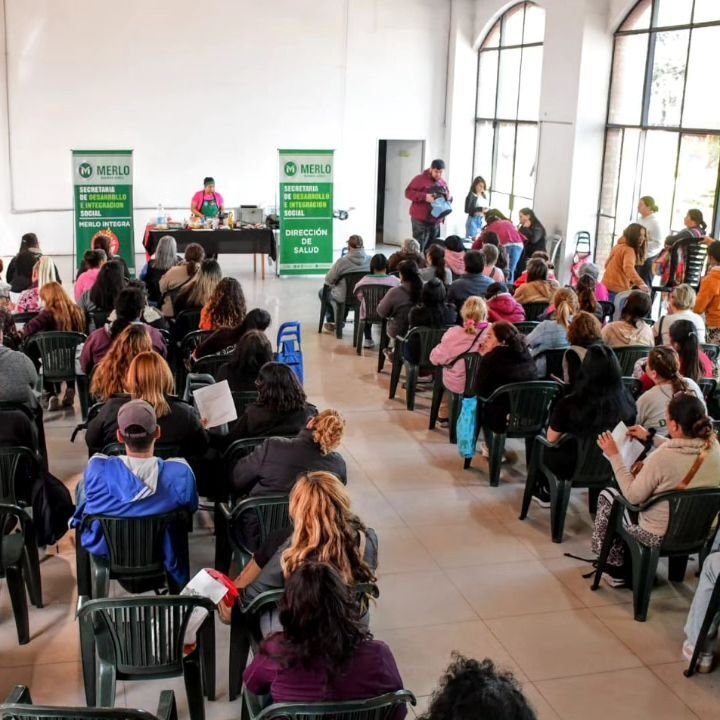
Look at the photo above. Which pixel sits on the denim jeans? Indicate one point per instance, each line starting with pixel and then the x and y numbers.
pixel 514 252
pixel 696 614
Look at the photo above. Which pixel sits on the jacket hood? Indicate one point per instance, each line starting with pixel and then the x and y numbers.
pixel 686 446
pixel 129 479
pixel 356 256
pixel 629 334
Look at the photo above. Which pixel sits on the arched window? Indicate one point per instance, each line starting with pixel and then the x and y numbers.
pixel 507 106
pixel 663 122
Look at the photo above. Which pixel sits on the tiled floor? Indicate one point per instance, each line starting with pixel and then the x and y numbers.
pixel 458 570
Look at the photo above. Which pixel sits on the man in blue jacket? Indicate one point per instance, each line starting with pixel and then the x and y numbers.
pixel 136 485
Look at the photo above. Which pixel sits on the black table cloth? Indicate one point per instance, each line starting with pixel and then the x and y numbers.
pixel 219 242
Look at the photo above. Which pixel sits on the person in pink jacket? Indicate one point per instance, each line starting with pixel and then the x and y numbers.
pixel 502 306
pixel 509 236
pixel 456 342
pixel 94 259
pixel 455 255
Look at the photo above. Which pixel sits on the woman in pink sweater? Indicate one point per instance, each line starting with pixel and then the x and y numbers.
pixel 455 343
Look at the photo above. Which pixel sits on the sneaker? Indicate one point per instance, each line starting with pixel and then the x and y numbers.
pixel 705 659
pixel 614 577
pixel 541 496
pixel 329 327
pixel 53 403
pixel 68 398
pixel 368 343
pixel 443 422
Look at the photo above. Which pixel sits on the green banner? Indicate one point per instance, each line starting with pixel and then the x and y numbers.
pixel 306 211
pixel 103 182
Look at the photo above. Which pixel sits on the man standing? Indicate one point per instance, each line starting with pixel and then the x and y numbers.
pixel 421 192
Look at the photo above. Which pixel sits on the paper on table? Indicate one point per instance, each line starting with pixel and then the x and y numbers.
pixel 630 448
pixel 215 403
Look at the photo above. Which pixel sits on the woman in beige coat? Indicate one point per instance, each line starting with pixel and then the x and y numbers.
pixel 690 436
pixel 179 276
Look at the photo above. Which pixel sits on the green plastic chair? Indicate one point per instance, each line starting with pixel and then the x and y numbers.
pixel 592 470
pixel 341 308
pixel 179 353
pixel 210 364
pixel 186 321
pixel 429 338
pixel 246 631
pixel 243 399
pixel 472 366
pixel 534 310
pixel 553 362
pixel 19 706
pixel 633 385
pixel 528 414
pixel 629 355
pixel 708 387
pixel 18 557
pixel 372 295
pixel 142 638
pixel 19 470
pixel 135 546
pixel 608 311
pixel 382 707
pixel 691 528
pixel 57 352
pixel 526 327
pixel 266 512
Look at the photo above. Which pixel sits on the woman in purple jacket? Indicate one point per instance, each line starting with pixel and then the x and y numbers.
pixel 324 653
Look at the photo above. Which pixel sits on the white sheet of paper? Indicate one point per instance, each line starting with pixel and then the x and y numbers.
pixel 203 585
pixel 215 403
pixel 630 448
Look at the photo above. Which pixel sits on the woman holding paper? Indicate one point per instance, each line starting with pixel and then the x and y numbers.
pixel 149 378
pixel 598 401
pixel 691 456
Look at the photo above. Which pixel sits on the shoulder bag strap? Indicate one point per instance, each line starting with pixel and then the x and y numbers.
pixel 694 469
pixel 464 352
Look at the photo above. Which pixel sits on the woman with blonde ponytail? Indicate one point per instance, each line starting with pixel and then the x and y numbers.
pixel 663 368
pixel 274 466
pixel 552 333
pixel 456 342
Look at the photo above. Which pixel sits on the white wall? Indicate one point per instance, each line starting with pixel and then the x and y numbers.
pixel 196 89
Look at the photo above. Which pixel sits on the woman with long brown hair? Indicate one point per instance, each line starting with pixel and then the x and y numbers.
pixel 59 313
pixel 226 307
pixel 324 529
pixel 149 378
pixel 197 293
pixel 620 267
pixel 110 375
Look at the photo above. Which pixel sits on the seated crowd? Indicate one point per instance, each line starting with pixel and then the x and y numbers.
pixel 152 453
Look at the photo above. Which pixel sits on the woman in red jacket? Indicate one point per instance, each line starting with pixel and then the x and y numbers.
pixel 509 236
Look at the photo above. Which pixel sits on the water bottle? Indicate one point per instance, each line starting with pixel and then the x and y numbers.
pixel 160 214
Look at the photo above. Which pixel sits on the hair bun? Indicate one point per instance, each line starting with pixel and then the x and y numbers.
pixel 703 428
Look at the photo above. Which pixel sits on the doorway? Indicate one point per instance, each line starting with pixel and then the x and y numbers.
pixel 399 161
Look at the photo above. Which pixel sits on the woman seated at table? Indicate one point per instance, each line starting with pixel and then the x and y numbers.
pixel 281 407
pixel 324 652
pixel 165 257
pixel 241 371
pixel 207 203
pixel 199 290
pixel 180 276
pixel 149 378
pixel 691 440
pixel 226 307
pixel 224 338
pixel 324 528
